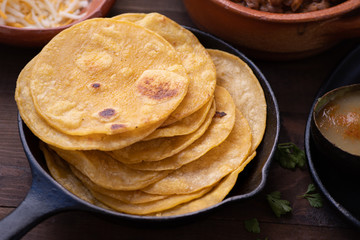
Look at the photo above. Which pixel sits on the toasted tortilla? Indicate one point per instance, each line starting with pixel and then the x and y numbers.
pixel 161 148
pixel 211 167
pixel 238 78
pixel 216 195
pixel 219 129
pixel 148 207
pixel 184 126
pixel 131 197
pixel 92 87
pixel 61 172
pixel 108 173
pixel 59 139
pixel 194 57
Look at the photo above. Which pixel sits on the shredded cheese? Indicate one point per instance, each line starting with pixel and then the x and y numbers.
pixel 41 13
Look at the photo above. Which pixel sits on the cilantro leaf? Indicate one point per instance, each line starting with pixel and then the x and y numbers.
pixel 311 188
pixel 278 205
pixel 314 198
pixel 289 156
pixel 252 225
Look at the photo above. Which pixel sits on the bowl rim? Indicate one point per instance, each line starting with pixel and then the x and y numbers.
pixel 337 10
pixel 322 101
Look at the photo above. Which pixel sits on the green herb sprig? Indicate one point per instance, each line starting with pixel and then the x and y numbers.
pixel 289 156
pixel 252 225
pixel 312 196
pixel 278 205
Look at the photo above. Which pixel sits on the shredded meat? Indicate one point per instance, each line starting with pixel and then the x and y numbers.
pixel 288 6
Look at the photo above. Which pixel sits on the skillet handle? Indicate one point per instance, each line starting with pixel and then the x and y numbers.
pixel 42 201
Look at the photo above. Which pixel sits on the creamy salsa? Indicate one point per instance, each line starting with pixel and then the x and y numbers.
pixel 339 122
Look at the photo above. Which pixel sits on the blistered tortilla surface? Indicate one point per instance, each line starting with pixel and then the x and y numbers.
pixel 84 80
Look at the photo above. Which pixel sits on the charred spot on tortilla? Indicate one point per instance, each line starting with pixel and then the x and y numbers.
pixel 219 114
pixel 107 113
pixel 95 85
pixel 156 89
pixel 117 126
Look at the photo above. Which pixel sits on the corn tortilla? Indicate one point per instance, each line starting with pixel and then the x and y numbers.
pixel 59 139
pixel 216 133
pixel 238 78
pixel 216 195
pixel 184 126
pixel 91 86
pixel 132 197
pixel 160 148
pixel 108 173
pixel 211 167
pixel 149 207
pixel 194 57
pixel 61 172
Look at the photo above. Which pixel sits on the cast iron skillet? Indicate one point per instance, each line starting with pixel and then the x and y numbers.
pixel 46 197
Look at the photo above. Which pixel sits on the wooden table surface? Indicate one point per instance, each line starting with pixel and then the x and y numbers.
pixel 294 83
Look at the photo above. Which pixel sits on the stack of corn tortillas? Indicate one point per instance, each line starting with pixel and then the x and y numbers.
pixel 135 115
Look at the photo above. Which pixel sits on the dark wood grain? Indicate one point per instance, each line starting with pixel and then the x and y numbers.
pixel 295 84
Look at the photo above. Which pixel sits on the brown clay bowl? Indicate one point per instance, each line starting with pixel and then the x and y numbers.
pixel 276 35
pixel 35 37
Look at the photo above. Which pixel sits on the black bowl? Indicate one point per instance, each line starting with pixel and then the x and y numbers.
pixel 47 197
pixel 344 161
pixel 338 186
